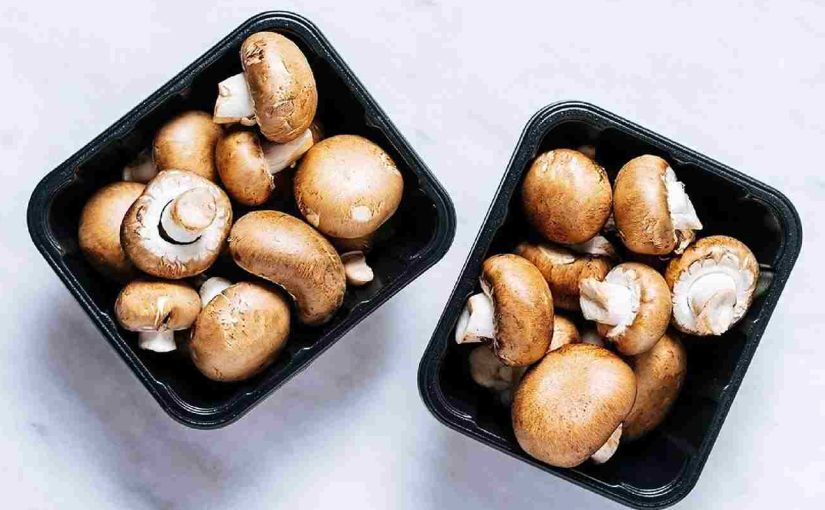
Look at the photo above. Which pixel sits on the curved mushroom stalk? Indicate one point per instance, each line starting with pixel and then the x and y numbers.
pixel 141 169
pixel 476 322
pixel 279 156
pixel 234 102
pixel 157 341
pixel 212 287
pixel 187 216
pixel 613 303
pixel 356 269
pixel 609 448
pixel 682 213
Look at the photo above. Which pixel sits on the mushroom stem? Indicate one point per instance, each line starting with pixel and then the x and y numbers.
pixel 212 287
pixel 682 213
pixel 141 169
pixel 607 450
pixel 597 246
pixel 234 102
pixel 713 299
pixel 279 156
pixel 186 217
pixel 356 269
pixel 604 302
pixel 476 321
pixel 157 341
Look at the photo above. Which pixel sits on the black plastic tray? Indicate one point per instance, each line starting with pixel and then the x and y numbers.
pixel 662 468
pixel 419 233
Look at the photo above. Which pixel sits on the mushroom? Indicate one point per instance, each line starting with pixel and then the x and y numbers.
pixel 239 332
pixel 141 169
pixel 515 310
pixel 288 252
pixel 571 404
pixel 653 214
pixel 98 233
pixel 356 268
pixel 564 333
pixel 187 142
pixel 713 283
pixel 660 373
pixel 156 309
pixel 248 166
pixel 566 196
pixel 347 187
pixel 563 269
pixel 177 227
pixel 631 306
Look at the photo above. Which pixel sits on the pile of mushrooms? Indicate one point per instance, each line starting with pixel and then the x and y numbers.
pixel 611 368
pixel 168 231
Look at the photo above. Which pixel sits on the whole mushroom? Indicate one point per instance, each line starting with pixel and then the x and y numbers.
pixel 187 142
pixel 155 310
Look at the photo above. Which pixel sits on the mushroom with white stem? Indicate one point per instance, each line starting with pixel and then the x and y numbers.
pixel 98 232
pixel 566 196
pixel 713 284
pixel 288 252
pixel 187 142
pixel 155 310
pixel 141 169
pixel 570 406
pixel 631 306
pixel 211 288
pixel 178 226
pixel 653 213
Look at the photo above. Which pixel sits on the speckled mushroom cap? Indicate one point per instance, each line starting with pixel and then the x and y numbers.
pixel 239 332
pixel 347 186
pixel 152 305
pixel 281 84
pixel 566 196
pixel 187 142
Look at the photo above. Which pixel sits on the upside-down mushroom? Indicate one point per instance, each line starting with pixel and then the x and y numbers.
pixel 155 310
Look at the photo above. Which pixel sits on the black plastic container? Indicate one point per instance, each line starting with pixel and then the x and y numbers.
pixel 418 235
pixel 663 467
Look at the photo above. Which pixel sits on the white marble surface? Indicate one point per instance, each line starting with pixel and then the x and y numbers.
pixel 743 84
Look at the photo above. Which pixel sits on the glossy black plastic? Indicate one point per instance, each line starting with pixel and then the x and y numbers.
pixel 418 235
pixel 663 467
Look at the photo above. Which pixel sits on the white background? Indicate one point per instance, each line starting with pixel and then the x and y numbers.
pixel 741 83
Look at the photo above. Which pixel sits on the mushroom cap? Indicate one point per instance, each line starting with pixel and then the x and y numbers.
pixel 154 254
pixel 523 307
pixel 281 84
pixel 153 305
pixel 288 252
pixel 239 332
pixel 714 261
pixel 242 167
pixel 187 142
pixel 347 186
pixel 566 196
pixel 660 373
pixel 98 232
pixel 564 332
pixel 563 269
pixel 569 404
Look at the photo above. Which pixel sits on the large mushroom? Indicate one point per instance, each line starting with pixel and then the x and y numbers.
pixel 187 142
pixel 515 311
pixel 631 306
pixel 288 252
pixel 178 226
pixel 98 233
pixel 240 332
pixel 712 283
pixel 566 196
pixel 155 310
pixel 570 406
pixel 653 214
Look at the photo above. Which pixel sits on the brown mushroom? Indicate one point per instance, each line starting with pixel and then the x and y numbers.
pixel 187 142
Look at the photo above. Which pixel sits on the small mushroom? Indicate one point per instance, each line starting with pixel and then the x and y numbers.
pixel 631 306
pixel 98 233
pixel 178 226
pixel 571 404
pixel 521 322
pixel 239 332
pixel 347 187
pixel 563 269
pixel 566 196
pixel 156 309
pixel 713 283
pixel 288 252
pixel 564 332
pixel 660 373
pixel 187 142
pixel 653 214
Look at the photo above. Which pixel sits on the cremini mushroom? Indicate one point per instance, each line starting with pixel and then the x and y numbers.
pixel 141 169
pixel 239 332
pixel 347 187
pixel 288 252
pixel 653 213
pixel 571 404
pixel 712 283
pixel 187 142
pixel 98 232
pixel 178 226
pixel 156 309
pixel 566 196
pixel 515 310
pixel 660 373
pixel 631 306
pixel 564 332
pixel 564 268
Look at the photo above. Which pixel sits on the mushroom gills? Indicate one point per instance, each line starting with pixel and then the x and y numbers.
pixel 682 214
pixel 356 269
pixel 157 341
pixel 234 102
pixel 612 302
pixel 280 156
pixel 212 287
pixel 186 217
pixel 609 448
pixel 476 323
